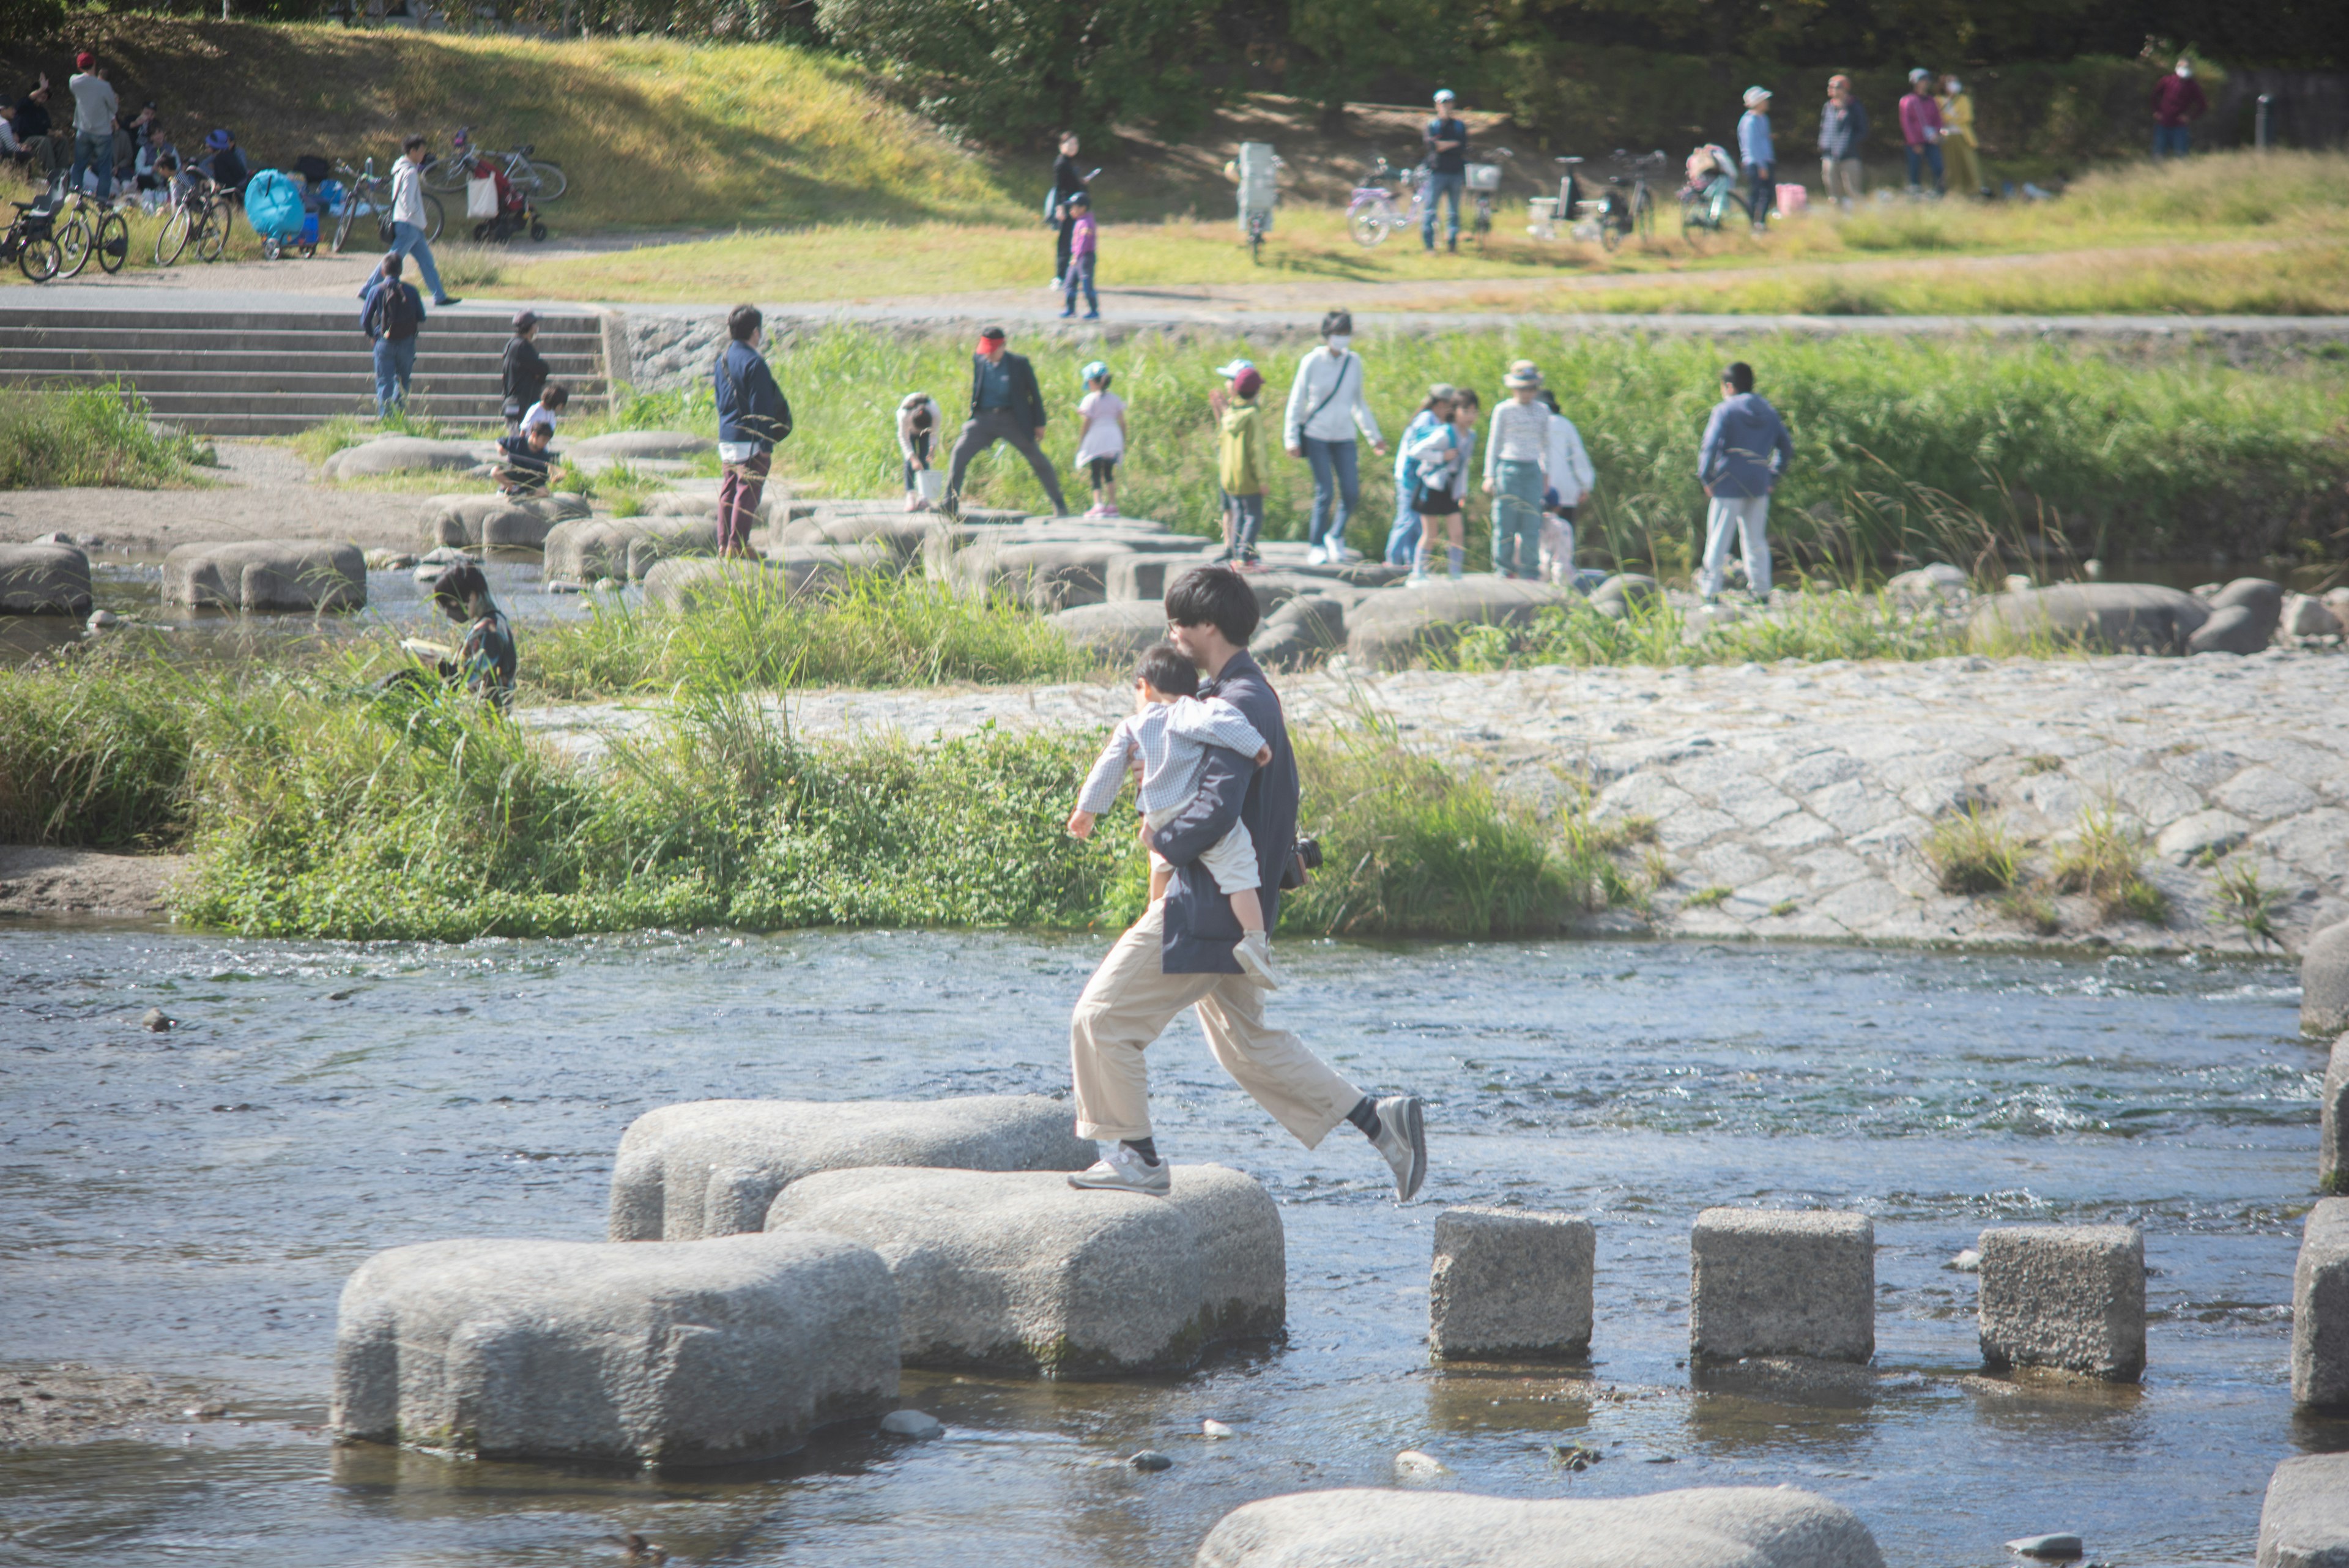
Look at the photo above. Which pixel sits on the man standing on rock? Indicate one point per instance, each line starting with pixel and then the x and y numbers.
pixel 1005 405
pixel 1180 954
pixel 1745 449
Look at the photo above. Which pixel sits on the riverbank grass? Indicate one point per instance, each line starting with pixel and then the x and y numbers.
pixel 99 435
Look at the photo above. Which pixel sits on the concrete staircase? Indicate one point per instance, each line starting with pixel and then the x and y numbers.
pixel 235 370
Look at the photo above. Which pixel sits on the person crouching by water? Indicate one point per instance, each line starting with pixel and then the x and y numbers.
pixel 527 461
pixel 485 659
pixel 752 416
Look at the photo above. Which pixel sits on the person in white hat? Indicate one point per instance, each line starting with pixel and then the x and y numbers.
pixel 1517 472
pixel 1759 156
pixel 1920 128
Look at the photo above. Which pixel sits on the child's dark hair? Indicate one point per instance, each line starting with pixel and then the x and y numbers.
pixel 1547 396
pixel 1216 596
pixel 460 588
pixel 1164 669
pixel 553 395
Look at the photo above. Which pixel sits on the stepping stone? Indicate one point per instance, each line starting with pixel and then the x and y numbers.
pixel 2324 982
pixel 2066 1297
pixel 1116 633
pixel 711 1168
pixel 1766 1281
pixel 2102 618
pixel 1018 1271
pixel 1697 1527
pixel 1510 1284
pixel 2331 1158
pixel 673 1354
pixel 2304 1522
pixel 590 549
pixel 1390 627
pixel 476 522
pixel 43 579
pixel 266 575
pixel 2320 1309
pixel 402 454
pixel 689 583
pixel 639 446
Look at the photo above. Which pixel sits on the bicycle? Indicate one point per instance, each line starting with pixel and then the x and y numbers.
pixel 31 242
pixel 1611 218
pixel 365 191
pixel 1485 182
pixel 536 179
pixel 79 236
pixel 1372 214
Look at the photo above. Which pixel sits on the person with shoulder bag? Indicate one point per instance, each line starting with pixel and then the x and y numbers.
pixel 752 417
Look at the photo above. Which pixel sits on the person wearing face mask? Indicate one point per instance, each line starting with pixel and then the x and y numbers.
pixel 752 416
pixel 2178 103
pixel 1327 404
pixel 1958 138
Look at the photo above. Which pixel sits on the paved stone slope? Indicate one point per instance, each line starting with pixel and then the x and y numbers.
pixel 1805 789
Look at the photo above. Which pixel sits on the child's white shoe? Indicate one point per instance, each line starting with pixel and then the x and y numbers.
pixel 1255 953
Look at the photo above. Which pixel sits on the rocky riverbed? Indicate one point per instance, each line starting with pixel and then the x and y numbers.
pixel 1794 800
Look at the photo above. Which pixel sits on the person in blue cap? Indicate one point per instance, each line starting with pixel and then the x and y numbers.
pixel 1447 169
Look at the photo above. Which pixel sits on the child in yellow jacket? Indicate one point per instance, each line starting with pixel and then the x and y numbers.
pixel 1240 461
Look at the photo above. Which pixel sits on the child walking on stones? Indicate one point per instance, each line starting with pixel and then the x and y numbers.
pixel 1166 743
pixel 1101 439
pixel 918 432
pixel 1240 461
pixel 1085 245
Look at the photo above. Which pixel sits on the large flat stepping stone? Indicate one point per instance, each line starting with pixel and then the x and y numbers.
pixel 1698 1527
pixel 43 579
pixel 1018 1271
pixel 1388 630
pixel 1115 633
pixel 690 1352
pixel 2304 1522
pixel 479 522
pixel 695 583
pixel 266 575
pixel 711 1168
pixel 402 454
pixel 590 549
pixel 629 446
pixel 2101 618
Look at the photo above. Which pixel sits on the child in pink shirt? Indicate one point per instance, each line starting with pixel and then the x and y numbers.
pixel 1084 244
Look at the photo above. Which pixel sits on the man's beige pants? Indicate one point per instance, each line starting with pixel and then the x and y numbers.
pixel 1130 1000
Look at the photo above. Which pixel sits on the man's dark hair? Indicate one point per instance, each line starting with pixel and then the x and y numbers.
pixel 553 395
pixel 1164 667
pixel 460 588
pixel 1216 596
pixel 391 264
pixel 744 321
pixel 411 144
pixel 1739 376
pixel 1338 321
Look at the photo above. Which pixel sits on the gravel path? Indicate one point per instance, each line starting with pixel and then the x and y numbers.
pixel 1806 790
pixel 260 492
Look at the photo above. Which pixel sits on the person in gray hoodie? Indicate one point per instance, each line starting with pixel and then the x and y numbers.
pixel 95 107
pixel 1744 451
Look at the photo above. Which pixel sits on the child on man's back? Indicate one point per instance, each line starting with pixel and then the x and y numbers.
pixel 1167 742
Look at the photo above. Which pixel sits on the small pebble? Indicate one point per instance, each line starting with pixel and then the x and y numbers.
pixel 1214 1428
pixel 1411 1462
pixel 914 1424
pixel 100 620
pixel 2060 1547
pixel 1151 1459
pixel 156 1021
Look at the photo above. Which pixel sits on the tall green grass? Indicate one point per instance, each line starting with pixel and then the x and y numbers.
pixel 87 435
pixel 1996 453
pixel 315 806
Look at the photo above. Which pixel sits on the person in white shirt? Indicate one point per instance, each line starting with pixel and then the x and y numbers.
pixel 1103 439
pixel 408 216
pixel 1571 478
pixel 553 399
pixel 1327 404
pixel 1517 472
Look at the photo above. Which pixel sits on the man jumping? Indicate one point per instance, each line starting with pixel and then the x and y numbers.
pixel 1180 954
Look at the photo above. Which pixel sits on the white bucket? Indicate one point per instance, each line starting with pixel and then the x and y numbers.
pixel 930 485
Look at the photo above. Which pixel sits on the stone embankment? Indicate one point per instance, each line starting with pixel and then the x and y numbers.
pixel 1804 792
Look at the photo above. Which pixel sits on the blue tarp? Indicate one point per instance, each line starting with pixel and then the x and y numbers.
pixel 272 203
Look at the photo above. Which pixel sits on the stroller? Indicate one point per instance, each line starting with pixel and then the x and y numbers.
pixel 273 205
pixel 1710 190
pixel 498 211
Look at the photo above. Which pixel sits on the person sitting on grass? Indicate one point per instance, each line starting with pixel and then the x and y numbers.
pixel 1167 741
pixel 525 463
pixel 482 662
pixel 224 162
pixel 553 399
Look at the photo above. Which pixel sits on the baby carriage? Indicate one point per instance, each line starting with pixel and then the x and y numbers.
pixel 274 207
pixel 498 211
pixel 1710 190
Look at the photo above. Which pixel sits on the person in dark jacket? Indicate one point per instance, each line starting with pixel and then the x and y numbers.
pixel 525 372
pixel 752 417
pixel 390 312
pixel 1842 136
pixel 2178 103
pixel 1180 954
pixel 1069 176
pixel 1745 449
pixel 1005 405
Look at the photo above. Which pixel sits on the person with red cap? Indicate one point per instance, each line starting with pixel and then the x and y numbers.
pixel 1241 461
pixel 1005 405
pixel 95 108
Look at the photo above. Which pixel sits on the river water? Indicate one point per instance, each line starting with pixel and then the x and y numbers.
pixel 189 1204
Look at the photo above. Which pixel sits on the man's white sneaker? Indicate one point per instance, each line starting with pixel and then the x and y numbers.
pixel 1255 953
pixel 1313 555
pixel 1122 1170
pixel 1402 1139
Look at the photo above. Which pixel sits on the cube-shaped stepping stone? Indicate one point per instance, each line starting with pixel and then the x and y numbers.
pixel 2332 1159
pixel 1766 1281
pixel 1697 1527
pixel 710 1168
pixel 1020 1271
pixel 282 574
pixel 689 1353
pixel 2066 1297
pixel 1510 1284
pixel 2320 1309
pixel 2304 1523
